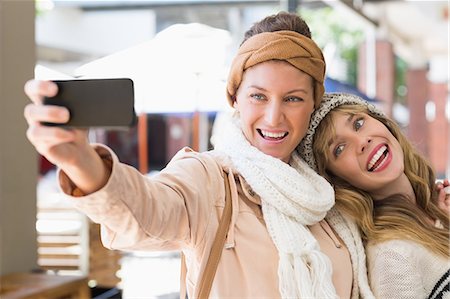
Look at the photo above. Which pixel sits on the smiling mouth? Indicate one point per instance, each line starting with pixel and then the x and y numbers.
pixel 271 135
pixel 378 159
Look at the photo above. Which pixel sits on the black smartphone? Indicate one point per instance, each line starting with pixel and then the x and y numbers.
pixel 106 103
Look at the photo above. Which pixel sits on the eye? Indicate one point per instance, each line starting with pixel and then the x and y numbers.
pixel 338 150
pixel 293 99
pixel 358 123
pixel 257 96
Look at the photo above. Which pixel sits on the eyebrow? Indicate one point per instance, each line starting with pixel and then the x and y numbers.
pixel 348 121
pixel 257 87
pixel 291 91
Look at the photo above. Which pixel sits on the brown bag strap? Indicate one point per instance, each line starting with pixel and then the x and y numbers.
pixel 206 280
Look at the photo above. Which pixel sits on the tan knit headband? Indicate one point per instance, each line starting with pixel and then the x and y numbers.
pixel 299 50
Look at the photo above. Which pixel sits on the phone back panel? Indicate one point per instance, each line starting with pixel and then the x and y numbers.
pixel 107 103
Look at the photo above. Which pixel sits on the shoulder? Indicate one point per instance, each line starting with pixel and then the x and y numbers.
pixel 397 244
pixel 211 160
pixel 211 156
pixel 399 254
pixel 188 156
pixel 406 251
pixel 399 249
pixel 200 169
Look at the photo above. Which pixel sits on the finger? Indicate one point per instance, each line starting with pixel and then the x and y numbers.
pixel 446 182
pixel 43 137
pixel 447 190
pixel 447 201
pixel 442 205
pixel 48 113
pixel 441 201
pixel 81 135
pixel 36 90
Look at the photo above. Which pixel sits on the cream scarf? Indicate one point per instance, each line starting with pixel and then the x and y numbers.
pixel 293 196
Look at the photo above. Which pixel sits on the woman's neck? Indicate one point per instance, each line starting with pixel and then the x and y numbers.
pixel 402 186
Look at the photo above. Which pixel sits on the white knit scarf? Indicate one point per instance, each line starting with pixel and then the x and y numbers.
pixel 293 196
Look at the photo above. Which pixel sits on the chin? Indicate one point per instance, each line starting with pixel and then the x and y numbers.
pixel 275 155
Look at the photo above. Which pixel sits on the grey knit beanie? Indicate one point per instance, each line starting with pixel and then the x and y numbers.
pixel 329 102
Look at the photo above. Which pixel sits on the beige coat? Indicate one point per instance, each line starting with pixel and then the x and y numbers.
pixel 179 209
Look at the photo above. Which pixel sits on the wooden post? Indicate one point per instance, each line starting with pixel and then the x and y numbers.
pixel 142 143
pixel 195 131
pixel 18 158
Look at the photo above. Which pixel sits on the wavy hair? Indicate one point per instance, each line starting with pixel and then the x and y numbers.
pixel 393 217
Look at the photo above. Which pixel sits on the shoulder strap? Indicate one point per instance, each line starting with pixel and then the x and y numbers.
pixel 206 280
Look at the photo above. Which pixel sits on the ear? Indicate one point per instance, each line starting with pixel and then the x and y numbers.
pixel 235 104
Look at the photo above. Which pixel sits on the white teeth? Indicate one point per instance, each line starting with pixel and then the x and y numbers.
pixel 272 135
pixel 382 162
pixel 375 157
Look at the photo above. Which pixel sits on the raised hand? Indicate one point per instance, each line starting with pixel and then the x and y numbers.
pixel 444 195
pixel 68 149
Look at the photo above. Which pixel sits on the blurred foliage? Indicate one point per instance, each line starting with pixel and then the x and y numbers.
pixel 331 26
pixel 43 6
pixel 400 80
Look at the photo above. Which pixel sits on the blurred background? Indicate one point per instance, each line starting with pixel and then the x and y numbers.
pixel 393 53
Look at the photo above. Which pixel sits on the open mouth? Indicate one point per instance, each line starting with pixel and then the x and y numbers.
pixel 378 159
pixel 272 135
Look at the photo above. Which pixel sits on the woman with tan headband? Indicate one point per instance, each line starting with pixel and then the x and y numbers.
pixel 279 244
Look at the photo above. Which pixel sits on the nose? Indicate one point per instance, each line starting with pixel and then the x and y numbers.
pixel 364 143
pixel 274 113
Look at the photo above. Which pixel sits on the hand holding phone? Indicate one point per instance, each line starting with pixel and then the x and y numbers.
pixel 106 103
pixel 69 150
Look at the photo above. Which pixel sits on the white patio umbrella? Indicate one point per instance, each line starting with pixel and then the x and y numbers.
pixel 182 69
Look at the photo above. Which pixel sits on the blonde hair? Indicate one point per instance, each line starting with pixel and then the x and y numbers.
pixel 393 217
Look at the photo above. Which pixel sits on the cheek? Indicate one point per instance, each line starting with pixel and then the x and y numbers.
pixel 304 128
pixel 346 169
pixel 302 122
pixel 247 122
pixel 400 163
pixel 248 113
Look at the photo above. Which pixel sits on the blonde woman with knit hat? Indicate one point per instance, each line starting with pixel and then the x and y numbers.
pixel 279 244
pixel 389 190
